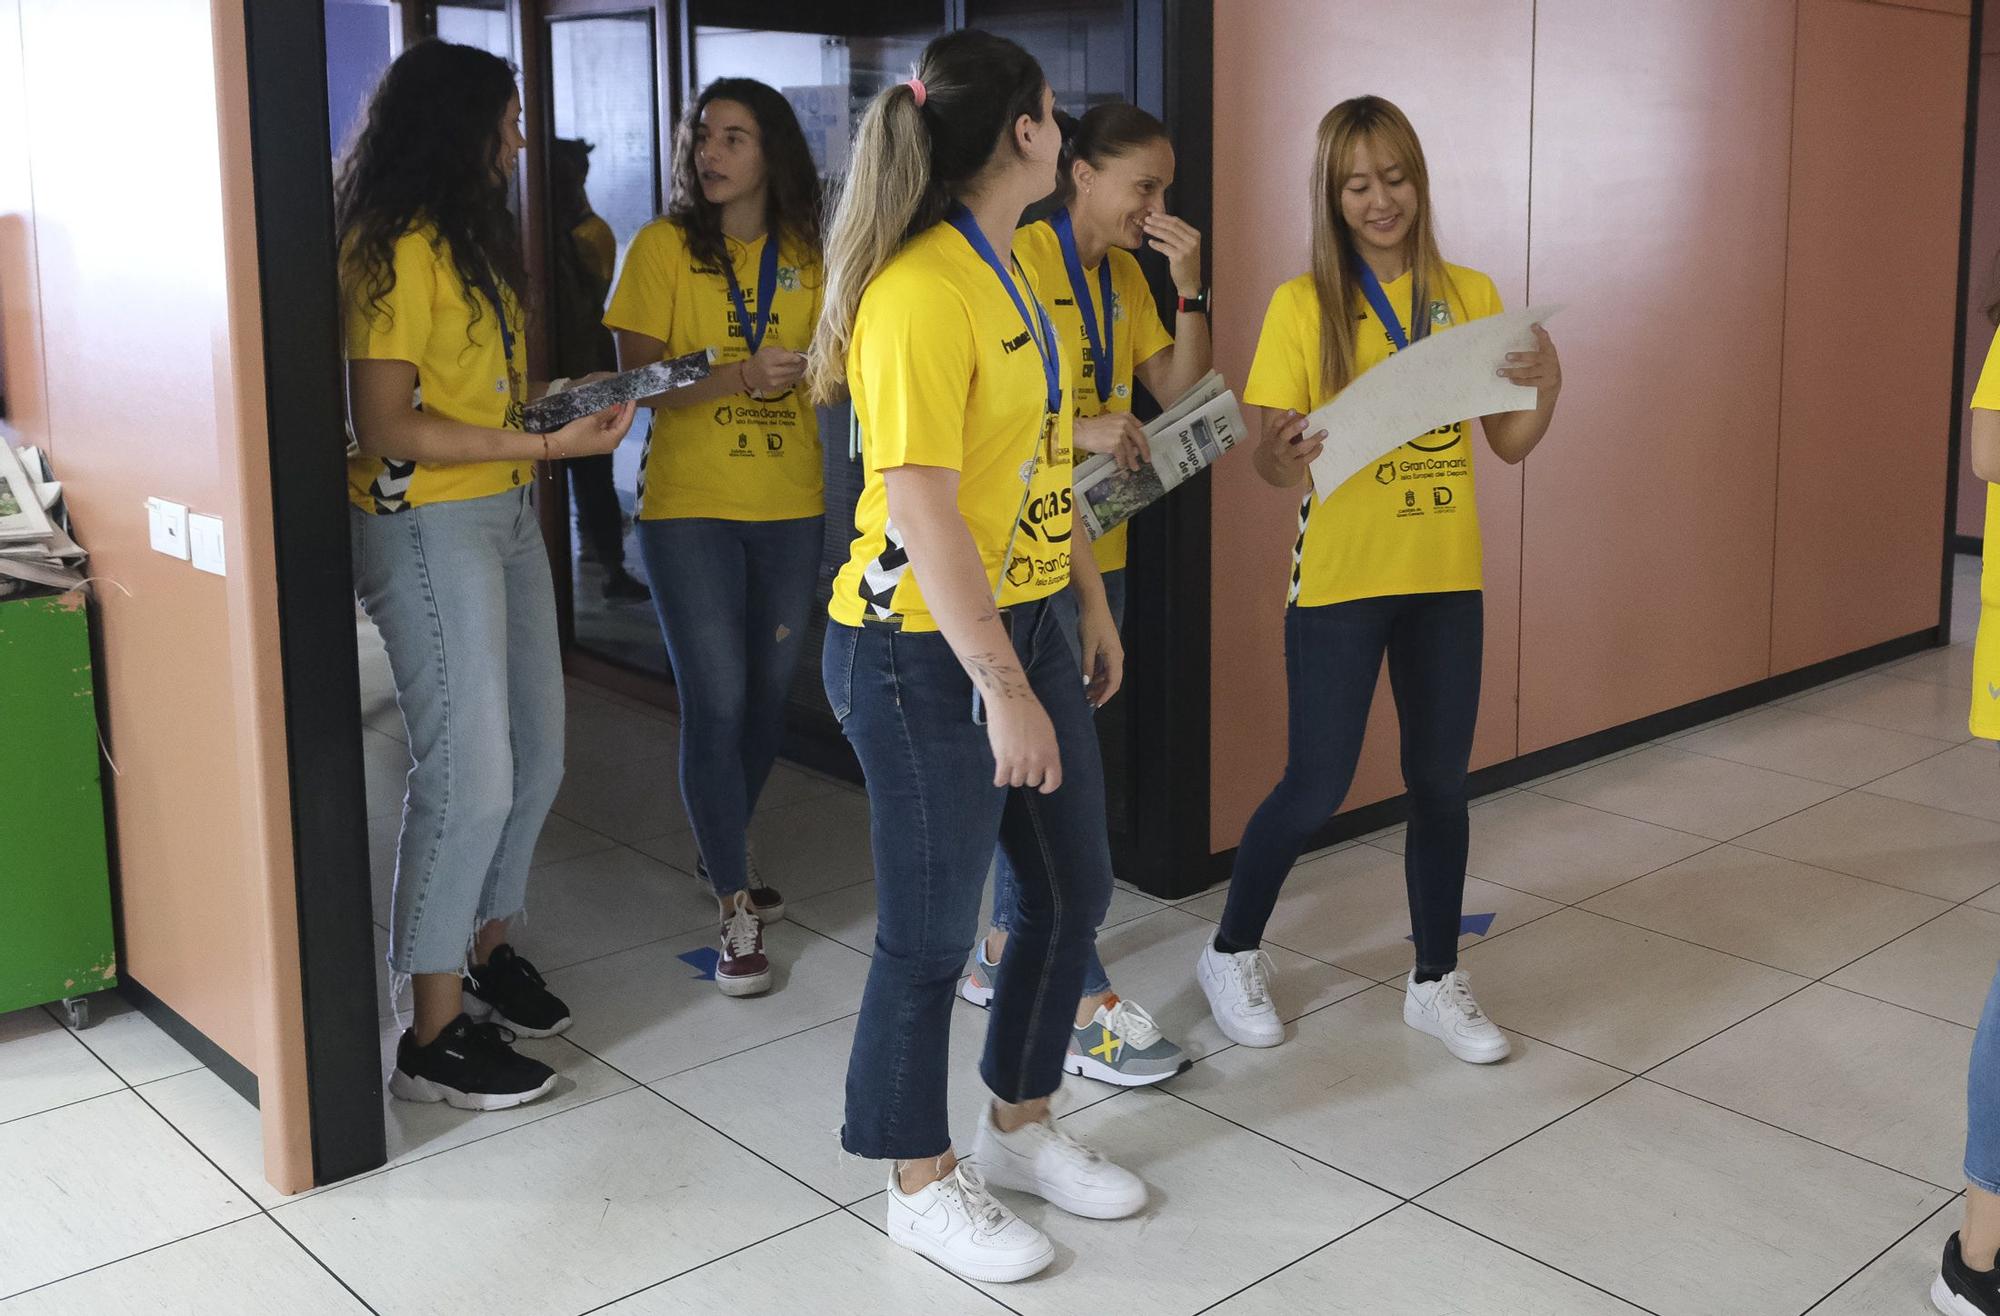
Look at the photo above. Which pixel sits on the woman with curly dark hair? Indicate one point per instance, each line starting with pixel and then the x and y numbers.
pixel 730 498
pixel 448 557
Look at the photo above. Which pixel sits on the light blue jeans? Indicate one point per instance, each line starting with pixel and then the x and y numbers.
pixel 1982 1099
pixel 462 596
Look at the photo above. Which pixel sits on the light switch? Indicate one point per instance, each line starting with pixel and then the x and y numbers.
pixel 205 543
pixel 167 527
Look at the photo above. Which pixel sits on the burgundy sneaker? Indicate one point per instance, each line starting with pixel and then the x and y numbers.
pixel 743 969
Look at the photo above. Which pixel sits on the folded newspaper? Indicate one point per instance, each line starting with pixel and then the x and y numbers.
pixel 1186 438
pixel 547 414
pixel 35 546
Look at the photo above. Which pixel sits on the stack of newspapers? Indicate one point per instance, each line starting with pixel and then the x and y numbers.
pixel 1187 438
pixel 35 546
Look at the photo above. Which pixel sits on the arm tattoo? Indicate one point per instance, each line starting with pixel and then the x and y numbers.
pixel 996 677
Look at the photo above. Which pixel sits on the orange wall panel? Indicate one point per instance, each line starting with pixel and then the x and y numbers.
pixel 1474 125
pixel 1983 287
pixel 1662 142
pixel 1879 95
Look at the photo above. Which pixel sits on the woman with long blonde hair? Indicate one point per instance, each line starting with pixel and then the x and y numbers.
pixel 1389 564
pixel 956 650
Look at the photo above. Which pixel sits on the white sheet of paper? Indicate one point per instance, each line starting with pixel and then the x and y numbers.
pixel 1439 380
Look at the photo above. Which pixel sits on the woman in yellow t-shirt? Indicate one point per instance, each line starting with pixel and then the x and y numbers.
pixel 730 502
pixel 954 650
pixel 1388 563
pixel 448 556
pixel 1116 167
pixel 1967 1278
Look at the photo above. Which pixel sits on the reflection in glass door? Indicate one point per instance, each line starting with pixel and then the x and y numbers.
pixel 603 174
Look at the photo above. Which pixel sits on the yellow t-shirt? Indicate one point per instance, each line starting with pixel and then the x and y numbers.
pixel 1986 648
pixel 736 458
pixel 1409 524
pixel 944 374
pixel 462 373
pixel 1137 335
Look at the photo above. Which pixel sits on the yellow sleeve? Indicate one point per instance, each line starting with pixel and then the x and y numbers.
pixel 399 327
pixel 912 363
pixel 1150 335
pixel 601 244
pixel 1281 376
pixel 643 301
pixel 1986 396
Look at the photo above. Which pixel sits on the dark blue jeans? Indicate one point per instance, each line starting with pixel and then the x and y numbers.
pixel 1006 899
pixel 1332 656
pixel 733 599
pixel 906 707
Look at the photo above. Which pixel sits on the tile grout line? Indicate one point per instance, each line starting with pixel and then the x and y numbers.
pixel 1907 1234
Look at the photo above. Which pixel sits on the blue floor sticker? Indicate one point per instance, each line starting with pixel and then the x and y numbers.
pixel 704 960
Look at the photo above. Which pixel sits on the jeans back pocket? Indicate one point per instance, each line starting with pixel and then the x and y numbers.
pixel 836 668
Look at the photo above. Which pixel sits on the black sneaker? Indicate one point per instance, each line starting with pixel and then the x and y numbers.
pixel 621 586
pixel 766 900
pixel 515 995
pixel 1961 1291
pixel 471 1066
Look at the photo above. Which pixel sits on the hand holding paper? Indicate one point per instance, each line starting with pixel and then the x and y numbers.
pixel 1439 381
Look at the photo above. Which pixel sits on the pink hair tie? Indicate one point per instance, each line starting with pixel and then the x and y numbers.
pixel 917 91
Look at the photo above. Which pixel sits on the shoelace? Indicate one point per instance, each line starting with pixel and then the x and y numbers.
pixel 1253 975
pixel 1457 988
pixel 493 1037
pixel 740 933
pixel 528 972
pixel 1131 1023
pixel 756 878
pixel 966 1184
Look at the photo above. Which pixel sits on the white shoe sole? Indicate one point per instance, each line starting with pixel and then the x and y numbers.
pixel 480 1011
pixel 973 992
pixel 1950 1303
pixel 1230 1028
pixel 407 1087
pixel 1418 1018
pixel 984 1272
pixel 1092 1067
pixel 753 986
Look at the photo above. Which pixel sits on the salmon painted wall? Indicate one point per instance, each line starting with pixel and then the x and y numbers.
pixel 1862 452
pixel 131 315
pixel 1983 289
pixel 1640 560
pixel 1474 127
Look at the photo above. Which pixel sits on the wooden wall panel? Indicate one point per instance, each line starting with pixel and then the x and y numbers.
pixel 1662 143
pixel 1869 326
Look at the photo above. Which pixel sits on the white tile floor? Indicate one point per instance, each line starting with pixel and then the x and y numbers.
pixel 1741 970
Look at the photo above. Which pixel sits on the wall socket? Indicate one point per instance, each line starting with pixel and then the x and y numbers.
pixel 205 543
pixel 167 527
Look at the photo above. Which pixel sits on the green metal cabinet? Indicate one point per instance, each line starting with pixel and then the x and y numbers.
pixel 55 884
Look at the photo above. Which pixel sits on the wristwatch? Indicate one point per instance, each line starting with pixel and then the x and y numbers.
pixel 1198 303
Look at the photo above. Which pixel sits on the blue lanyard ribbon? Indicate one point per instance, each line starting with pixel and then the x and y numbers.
pixel 1371 288
pixel 767 287
pixel 491 292
pixel 1045 342
pixel 1079 286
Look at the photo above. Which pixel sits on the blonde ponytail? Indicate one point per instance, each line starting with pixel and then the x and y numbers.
pixel 888 182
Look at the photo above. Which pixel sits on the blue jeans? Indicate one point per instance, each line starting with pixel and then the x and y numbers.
pixel 1006 899
pixel 461 594
pixel 1333 655
pixel 733 599
pixel 1982 1104
pixel 906 706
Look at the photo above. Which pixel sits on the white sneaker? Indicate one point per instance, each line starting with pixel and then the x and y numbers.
pixel 1043 1159
pixel 958 1224
pixel 1446 1010
pixel 1238 988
